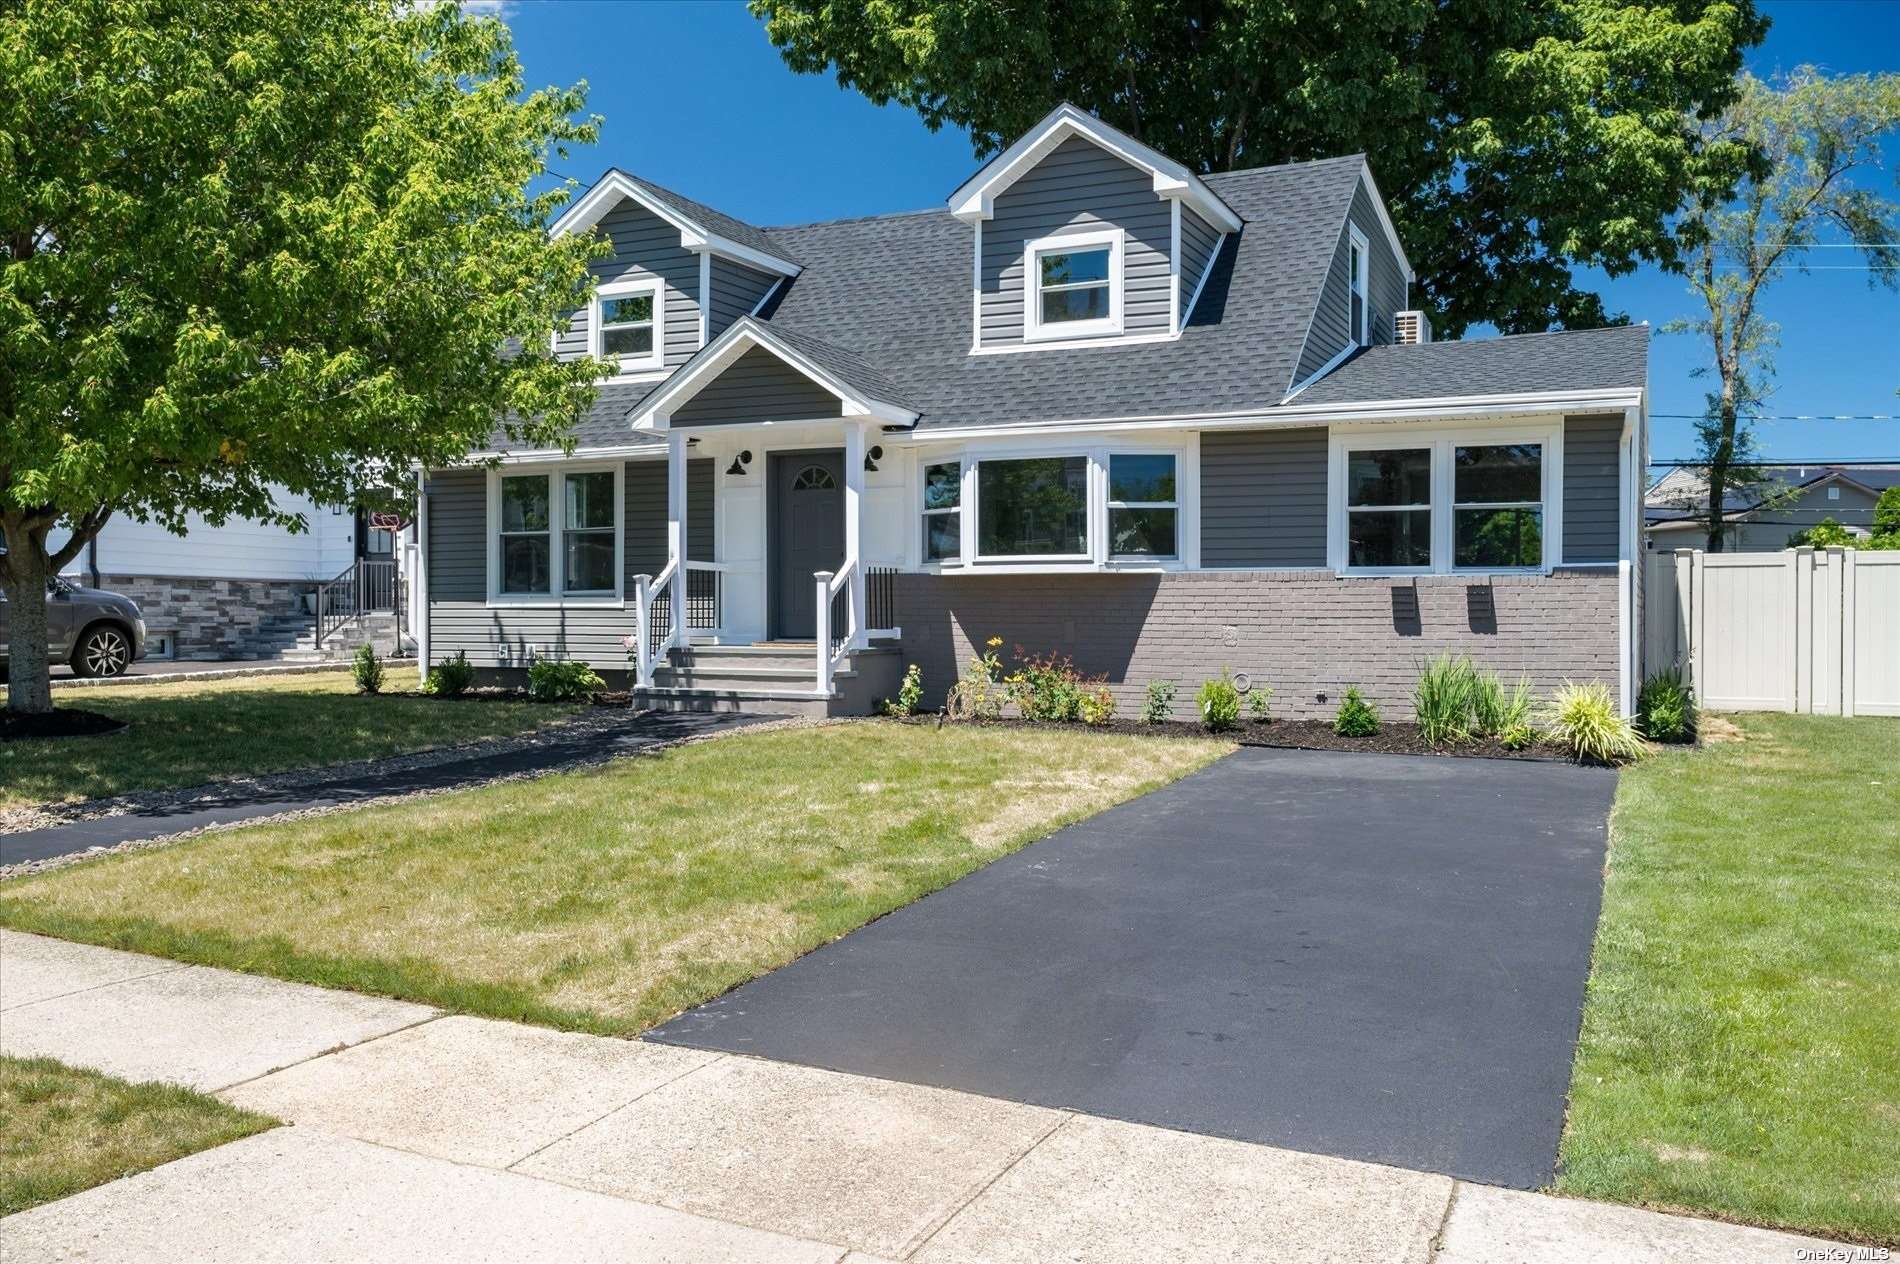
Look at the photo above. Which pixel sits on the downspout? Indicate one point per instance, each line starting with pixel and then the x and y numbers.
pixel 422 577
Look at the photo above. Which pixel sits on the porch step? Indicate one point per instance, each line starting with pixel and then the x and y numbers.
pixel 774 679
pixel 772 656
pixel 799 702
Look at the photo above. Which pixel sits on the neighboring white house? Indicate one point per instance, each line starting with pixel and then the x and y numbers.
pixel 231 591
pixel 1845 491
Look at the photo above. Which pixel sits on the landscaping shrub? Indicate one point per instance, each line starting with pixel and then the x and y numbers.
pixel 1356 717
pixel 367 669
pixel 1159 708
pixel 977 694
pixel 1098 706
pixel 1260 703
pixel 1220 703
pixel 1585 722
pixel 909 694
pixel 1504 715
pixel 562 680
pixel 1665 708
pixel 1046 687
pixel 451 677
pixel 1443 699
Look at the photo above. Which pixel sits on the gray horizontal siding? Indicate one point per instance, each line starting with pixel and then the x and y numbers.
pixel 1077 187
pixel 1263 497
pixel 459 615
pixel 758 386
pixel 1592 496
pixel 1199 239
pixel 736 290
pixel 645 246
pixel 1386 291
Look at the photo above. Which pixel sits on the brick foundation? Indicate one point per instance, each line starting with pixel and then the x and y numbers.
pixel 1307 635
pixel 208 618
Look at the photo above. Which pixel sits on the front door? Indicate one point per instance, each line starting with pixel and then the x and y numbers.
pixel 807 536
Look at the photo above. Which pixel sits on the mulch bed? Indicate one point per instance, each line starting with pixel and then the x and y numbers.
pixel 59 722
pixel 1391 739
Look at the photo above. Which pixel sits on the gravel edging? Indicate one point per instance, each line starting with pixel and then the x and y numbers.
pixel 598 720
pixel 213 673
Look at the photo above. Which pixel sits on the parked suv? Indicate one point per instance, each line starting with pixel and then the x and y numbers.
pixel 100 633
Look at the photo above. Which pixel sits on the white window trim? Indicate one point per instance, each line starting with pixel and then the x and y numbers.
pixel 630 289
pixel 557 517
pixel 1359 283
pixel 1112 504
pixel 924 511
pixel 1441 443
pixel 1070 330
pixel 1096 558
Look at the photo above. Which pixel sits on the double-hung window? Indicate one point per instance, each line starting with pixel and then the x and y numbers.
pixel 1357 284
pixel 1498 505
pixel 1143 507
pixel 1457 501
pixel 556 535
pixel 1389 508
pixel 1074 285
pixel 627 324
pixel 943 511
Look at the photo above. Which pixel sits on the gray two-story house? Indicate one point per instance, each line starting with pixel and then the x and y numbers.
pixel 1166 424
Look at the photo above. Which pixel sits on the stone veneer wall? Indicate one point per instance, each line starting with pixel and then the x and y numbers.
pixel 208 618
pixel 1305 634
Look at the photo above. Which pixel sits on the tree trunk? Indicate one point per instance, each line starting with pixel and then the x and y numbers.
pixel 29 681
pixel 1719 461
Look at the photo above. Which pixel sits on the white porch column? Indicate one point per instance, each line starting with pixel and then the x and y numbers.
pixel 853 523
pixel 676 532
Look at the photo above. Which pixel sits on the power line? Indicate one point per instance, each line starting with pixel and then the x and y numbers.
pixel 1783 416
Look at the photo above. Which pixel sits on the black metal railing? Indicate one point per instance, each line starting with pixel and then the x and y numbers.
pixel 703 607
pixel 880 597
pixel 365 586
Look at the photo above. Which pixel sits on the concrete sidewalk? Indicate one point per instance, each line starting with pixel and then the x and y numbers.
pixel 417 1135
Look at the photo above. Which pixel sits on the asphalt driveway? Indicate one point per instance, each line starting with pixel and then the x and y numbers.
pixel 1377 957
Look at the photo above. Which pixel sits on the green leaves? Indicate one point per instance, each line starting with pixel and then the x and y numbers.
pixel 257 243
pixel 1514 139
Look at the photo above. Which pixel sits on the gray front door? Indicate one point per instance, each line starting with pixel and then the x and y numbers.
pixel 807 535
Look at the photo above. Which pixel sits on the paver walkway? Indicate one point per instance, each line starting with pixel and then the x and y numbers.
pixel 244 804
pixel 417 1135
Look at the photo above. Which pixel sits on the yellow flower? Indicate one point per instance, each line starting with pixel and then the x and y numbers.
pixel 994 641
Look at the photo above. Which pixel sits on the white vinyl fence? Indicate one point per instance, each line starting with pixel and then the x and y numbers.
pixel 1797 630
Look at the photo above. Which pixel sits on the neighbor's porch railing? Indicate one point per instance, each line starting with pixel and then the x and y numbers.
pixel 653 632
pixel 364 586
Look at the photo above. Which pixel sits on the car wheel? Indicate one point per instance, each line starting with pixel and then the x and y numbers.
pixel 104 651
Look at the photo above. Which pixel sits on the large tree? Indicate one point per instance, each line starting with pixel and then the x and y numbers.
pixel 1813 137
pixel 259 244
pixel 1512 138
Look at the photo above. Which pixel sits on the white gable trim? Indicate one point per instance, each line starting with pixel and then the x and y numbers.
pixel 1385 221
pixel 976 198
pixel 746 333
pixel 611 188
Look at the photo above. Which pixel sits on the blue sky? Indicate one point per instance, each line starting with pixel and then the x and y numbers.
pixel 695 98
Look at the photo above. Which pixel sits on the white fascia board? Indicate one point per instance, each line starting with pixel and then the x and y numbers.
pixel 612 187
pixel 743 335
pixel 1385 220
pixel 975 198
pixel 1396 411
pixel 544 456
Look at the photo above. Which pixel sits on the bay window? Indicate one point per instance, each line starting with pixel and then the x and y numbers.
pixel 1449 501
pixel 1142 505
pixel 1034 507
pixel 555 535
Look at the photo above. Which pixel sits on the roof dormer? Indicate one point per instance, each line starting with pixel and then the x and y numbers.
pixel 1084 235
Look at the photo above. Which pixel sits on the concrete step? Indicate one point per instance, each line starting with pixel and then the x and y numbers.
pixel 775 656
pixel 751 701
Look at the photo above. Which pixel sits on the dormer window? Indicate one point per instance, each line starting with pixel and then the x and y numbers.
pixel 1359 313
pixel 626 323
pixel 1078 285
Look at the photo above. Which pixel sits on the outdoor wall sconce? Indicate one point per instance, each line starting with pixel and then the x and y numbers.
pixel 872 457
pixel 737 468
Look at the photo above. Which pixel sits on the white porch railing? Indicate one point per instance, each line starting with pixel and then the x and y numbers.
pixel 655 630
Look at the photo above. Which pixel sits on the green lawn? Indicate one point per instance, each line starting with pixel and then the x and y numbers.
pixel 63 1129
pixel 1740 1054
pixel 185 733
pixel 606 900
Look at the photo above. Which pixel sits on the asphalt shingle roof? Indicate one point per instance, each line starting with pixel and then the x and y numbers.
pixel 1681 492
pixel 1592 358
pixel 714 220
pixel 841 363
pixel 896 290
